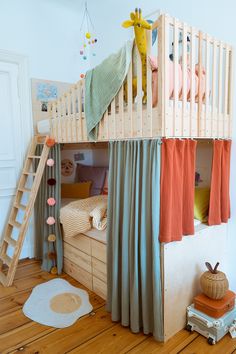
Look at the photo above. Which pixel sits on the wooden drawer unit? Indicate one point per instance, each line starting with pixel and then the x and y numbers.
pixel 85 260
pixel 99 250
pixel 100 288
pixel 78 273
pixel 81 259
pixel 81 242
pixel 99 269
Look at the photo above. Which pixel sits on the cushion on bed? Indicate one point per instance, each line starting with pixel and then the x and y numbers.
pixel 201 203
pixel 76 190
pixel 91 173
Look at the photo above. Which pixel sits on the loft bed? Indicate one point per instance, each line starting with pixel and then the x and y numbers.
pixel 188 106
pixel 202 108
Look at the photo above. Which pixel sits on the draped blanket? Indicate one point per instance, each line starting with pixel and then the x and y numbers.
pixel 102 84
pixel 82 215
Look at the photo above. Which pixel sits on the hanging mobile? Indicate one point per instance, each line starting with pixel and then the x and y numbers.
pixel 88 39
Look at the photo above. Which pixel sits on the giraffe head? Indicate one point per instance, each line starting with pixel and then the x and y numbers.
pixel 137 21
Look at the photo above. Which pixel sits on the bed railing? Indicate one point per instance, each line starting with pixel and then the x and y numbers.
pixel 202 109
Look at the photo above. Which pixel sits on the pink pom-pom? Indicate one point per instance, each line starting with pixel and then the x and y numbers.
pixel 51 201
pixel 51 220
pixel 50 162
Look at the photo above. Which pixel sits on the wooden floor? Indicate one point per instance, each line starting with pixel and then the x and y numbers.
pixel 91 334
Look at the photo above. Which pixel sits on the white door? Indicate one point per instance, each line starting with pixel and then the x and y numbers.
pixel 13 141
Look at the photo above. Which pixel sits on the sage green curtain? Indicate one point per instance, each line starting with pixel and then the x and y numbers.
pixel 43 211
pixel 134 273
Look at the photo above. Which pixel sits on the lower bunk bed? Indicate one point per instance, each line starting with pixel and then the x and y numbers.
pixel 85 254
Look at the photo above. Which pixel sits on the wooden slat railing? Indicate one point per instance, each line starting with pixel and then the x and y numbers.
pixel 204 111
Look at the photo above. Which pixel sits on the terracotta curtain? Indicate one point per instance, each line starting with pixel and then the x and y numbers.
pixel 219 206
pixel 177 189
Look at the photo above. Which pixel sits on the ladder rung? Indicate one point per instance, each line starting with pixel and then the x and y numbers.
pixel 20 206
pixel 29 173
pixel 10 241
pixel 15 223
pixel 6 259
pixel 23 189
pixel 34 157
pixel 3 278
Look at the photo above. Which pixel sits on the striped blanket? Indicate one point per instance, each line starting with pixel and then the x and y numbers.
pixel 83 215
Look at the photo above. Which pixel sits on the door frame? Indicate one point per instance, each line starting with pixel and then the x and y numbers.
pixel 26 122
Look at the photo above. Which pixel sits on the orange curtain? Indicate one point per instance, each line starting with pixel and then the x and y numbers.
pixel 177 189
pixel 219 206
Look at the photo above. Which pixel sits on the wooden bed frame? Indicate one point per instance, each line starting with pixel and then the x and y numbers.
pixel 208 118
pixel 179 117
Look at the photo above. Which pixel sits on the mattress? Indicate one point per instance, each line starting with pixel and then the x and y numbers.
pixel 197 222
pixel 65 201
pixel 97 235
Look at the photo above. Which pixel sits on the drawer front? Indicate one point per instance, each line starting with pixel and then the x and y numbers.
pixel 100 288
pixel 99 269
pixel 78 274
pixel 79 258
pixel 81 242
pixel 99 251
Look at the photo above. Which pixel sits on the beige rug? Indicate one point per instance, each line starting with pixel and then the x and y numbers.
pixel 57 304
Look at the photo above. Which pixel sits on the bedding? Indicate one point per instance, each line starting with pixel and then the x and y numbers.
pixel 102 84
pixel 82 215
pixel 65 201
pixel 154 66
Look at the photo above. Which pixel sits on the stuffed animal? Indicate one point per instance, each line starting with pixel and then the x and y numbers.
pixel 140 25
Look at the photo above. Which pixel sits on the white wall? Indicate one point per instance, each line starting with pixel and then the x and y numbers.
pixel 48 32
pixel 212 16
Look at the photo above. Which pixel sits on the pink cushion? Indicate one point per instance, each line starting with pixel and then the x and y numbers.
pixel 91 173
pixel 154 67
pixel 105 186
pixel 203 80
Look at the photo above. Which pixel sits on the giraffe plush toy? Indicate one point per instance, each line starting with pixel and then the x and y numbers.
pixel 140 25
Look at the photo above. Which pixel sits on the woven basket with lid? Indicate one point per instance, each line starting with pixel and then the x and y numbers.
pixel 214 283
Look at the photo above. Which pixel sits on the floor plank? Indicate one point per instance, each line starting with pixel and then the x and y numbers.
pixel 200 346
pixel 90 334
pixel 173 345
pixel 115 340
pixel 62 340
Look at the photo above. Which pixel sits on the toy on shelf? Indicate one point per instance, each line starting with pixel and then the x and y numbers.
pixel 140 25
pixel 213 314
pixel 214 283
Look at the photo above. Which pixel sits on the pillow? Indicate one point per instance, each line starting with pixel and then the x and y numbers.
pixel 91 173
pixel 201 203
pixel 75 190
pixel 105 186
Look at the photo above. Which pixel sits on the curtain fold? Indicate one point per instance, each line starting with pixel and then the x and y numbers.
pixel 133 250
pixel 177 189
pixel 43 211
pixel 219 206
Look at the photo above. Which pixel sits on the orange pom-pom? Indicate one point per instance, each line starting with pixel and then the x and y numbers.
pixel 82 76
pixel 53 270
pixel 50 142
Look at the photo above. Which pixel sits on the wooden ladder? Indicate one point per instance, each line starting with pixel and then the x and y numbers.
pixel 31 174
